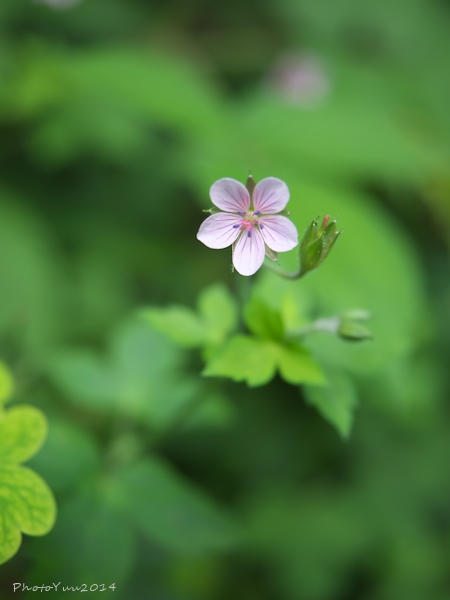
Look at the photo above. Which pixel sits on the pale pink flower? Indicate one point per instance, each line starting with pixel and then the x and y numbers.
pixel 251 223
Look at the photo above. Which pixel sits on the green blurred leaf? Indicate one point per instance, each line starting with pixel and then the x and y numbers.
pixel 172 511
pixel 91 542
pixel 141 376
pixel 31 295
pixel 321 533
pixel 6 383
pixel 336 402
pixel 85 377
pixel 70 456
pixel 83 106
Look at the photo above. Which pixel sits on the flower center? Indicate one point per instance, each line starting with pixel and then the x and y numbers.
pixel 249 222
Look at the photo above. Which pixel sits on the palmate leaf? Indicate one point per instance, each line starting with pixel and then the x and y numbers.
pixel 256 361
pixel 215 319
pixel 26 503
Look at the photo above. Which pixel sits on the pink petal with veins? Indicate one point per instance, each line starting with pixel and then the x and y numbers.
pixel 217 231
pixel 248 252
pixel 270 196
pixel 230 195
pixel 279 233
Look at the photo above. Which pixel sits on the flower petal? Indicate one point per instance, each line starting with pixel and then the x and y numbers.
pixel 248 252
pixel 230 195
pixel 279 233
pixel 218 230
pixel 270 195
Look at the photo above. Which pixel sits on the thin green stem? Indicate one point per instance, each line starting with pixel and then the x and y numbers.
pixel 329 325
pixel 279 271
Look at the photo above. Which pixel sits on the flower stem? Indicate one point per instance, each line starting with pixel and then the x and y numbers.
pixel 329 325
pixel 279 271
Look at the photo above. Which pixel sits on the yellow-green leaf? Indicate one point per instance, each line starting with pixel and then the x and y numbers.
pixel 26 504
pixel 22 432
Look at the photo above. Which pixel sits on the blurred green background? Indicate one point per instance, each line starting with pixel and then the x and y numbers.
pixel 115 119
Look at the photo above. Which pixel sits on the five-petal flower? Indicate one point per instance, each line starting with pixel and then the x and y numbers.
pixel 249 221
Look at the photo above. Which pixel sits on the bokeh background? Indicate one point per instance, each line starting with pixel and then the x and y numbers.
pixel 115 119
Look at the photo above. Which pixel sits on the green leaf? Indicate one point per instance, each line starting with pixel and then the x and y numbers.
pixel 218 310
pixel 102 540
pixel 244 358
pixel 141 376
pixel 10 537
pixel 178 323
pixel 336 402
pixel 173 512
pixel 66 444
pixel 22 432
pixel 30 277
pixel 26 504
pixel 255 361
pixel 296 366
pixel 216 318
pixel 262 320
pixel 6 383
pixel 85 377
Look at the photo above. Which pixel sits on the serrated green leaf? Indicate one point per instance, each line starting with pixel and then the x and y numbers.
pixel 26 504
pixel 296 366
pixel 263 321
pixel 171 511
pixel 6 383
pixel 178 323
pixel 244 358
pixel 216 318
pixel 22 431
pixel 336 402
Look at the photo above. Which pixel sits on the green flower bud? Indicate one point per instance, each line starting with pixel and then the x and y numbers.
pixel 352 327
pixel 317 243
pixel 353 331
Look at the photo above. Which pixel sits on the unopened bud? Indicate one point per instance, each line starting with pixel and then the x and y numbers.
pixel 317 243
pixel 352 327
pixel 353 331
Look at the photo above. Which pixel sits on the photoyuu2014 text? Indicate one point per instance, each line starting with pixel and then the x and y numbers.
pixel 94 587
